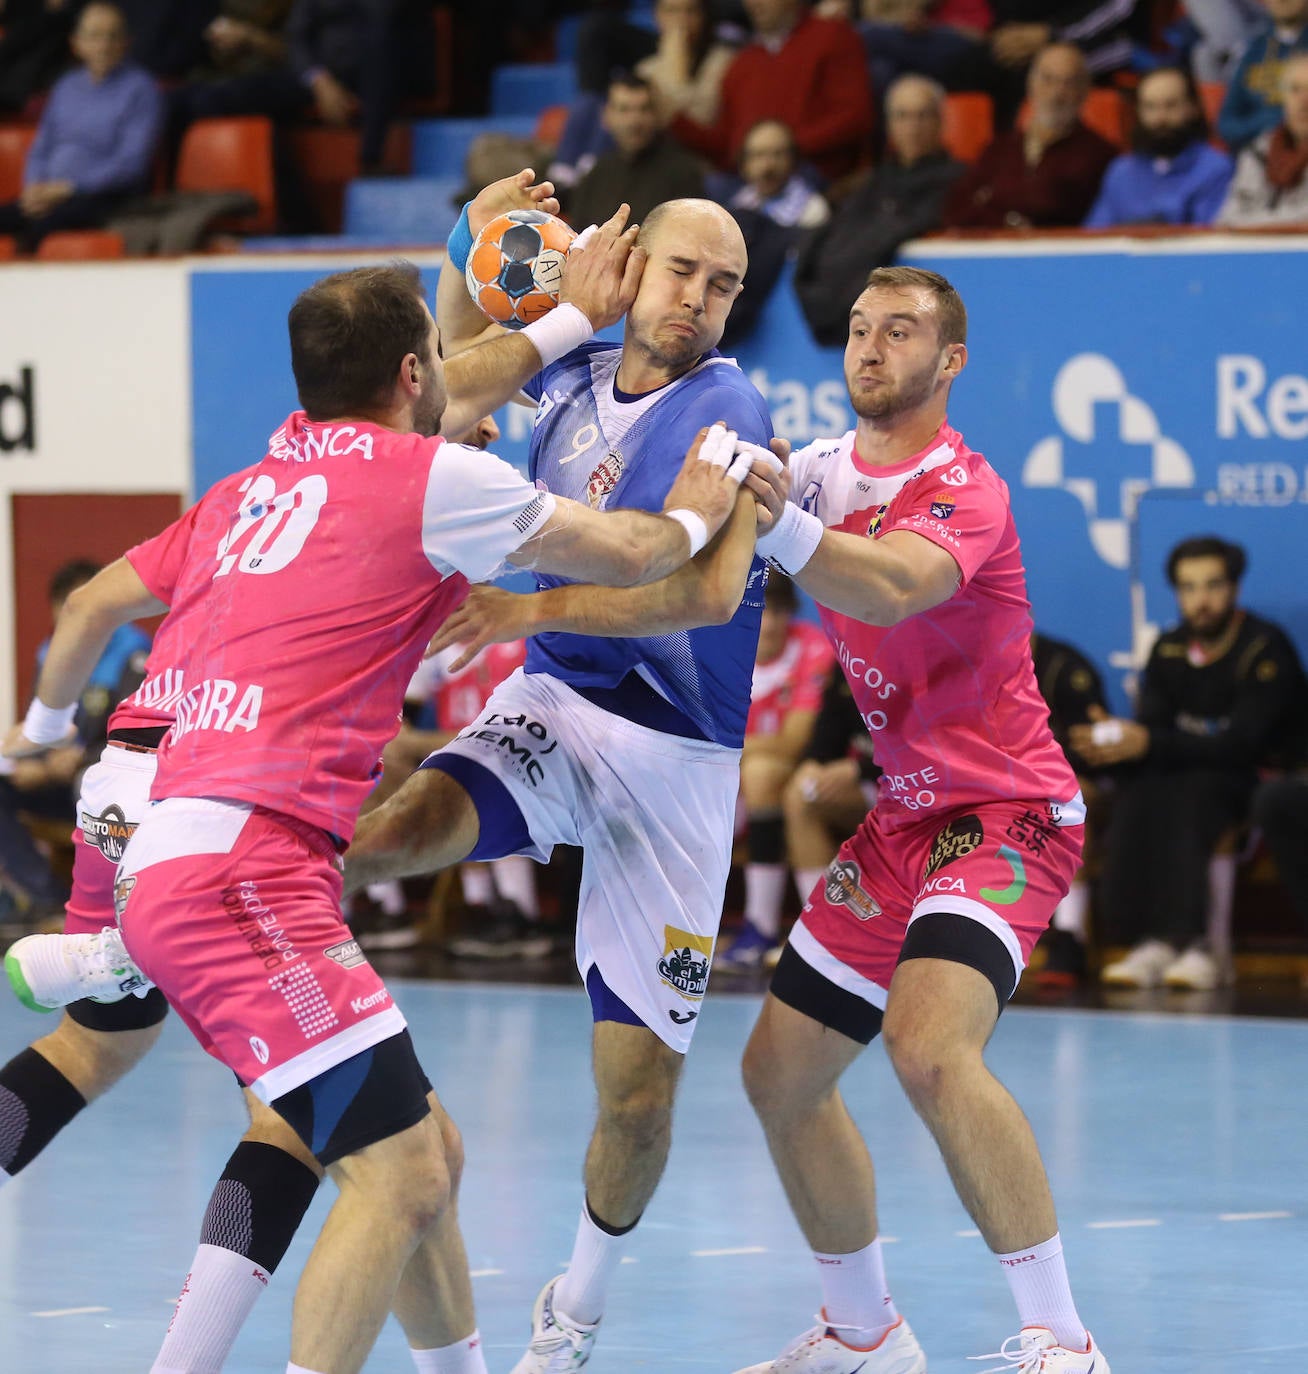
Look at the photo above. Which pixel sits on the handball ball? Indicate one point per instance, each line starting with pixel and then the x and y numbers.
pixel 516 265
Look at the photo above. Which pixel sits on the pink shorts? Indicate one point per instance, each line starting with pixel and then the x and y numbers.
pixel 234 912
pixel 1006 865
pixel 115 795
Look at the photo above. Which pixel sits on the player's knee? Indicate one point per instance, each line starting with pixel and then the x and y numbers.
pixel 451 1145
pixel 641 1113
pixel 97 1059
pixel 268 1128
pixel 775 1093
pixel 925 1063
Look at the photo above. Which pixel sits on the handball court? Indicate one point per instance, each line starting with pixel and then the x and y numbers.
pixel 1177 1145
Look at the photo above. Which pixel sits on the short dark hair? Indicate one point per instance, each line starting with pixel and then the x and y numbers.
pixel 780 594
pixel 629 81
pixel 951 313
pixel 1200 121
pixel 349 334
pixel 77 572
pixel 1208 546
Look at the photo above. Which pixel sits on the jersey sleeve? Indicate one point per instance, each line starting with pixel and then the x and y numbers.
pixel 736 408
pixel 801 471
pixel 158 562
pixel 476 511
pixel 967 520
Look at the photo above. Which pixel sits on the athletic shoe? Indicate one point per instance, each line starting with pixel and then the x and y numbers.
pixel 501 931
pixel 1196 969
pixel 746 952
pixel 49 971
pixel 1037 1352
pixel 1143 967
pixel 382 930
pixel 558 1344
pixel 821 1351
pixel 1064 965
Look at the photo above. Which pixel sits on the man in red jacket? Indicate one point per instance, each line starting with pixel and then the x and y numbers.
pixel 809 73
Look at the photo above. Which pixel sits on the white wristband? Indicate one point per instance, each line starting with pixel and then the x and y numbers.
pixel 558 332
pixel 694 526
pixel 44 725
pixel 793 540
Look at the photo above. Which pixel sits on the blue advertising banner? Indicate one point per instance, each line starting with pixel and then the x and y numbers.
pixel 1130 394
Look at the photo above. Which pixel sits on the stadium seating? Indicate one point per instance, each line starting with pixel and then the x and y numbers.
pixel 232 155
pixel 440 146
pixel 82 245
pixel 8 248
pixel 969 124
pixel 527 88
pixel 1108 112
pixel 403 210
pixel 15 140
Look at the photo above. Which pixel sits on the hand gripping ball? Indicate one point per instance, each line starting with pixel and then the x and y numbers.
pixel 516 265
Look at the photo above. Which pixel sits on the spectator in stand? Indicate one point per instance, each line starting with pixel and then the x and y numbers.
pixel 901 198
pixel 1225 29
pixel 1074 693
pixel 935 38
pixel 806 71
pixel 1218 694
pixel 793 662
pixel 1271 175
pixel 1046 175
pixel 33 48
pixel 771 181
pixel 46 785
pixel 1253 94
pixel 96 139
pixel 645 167
pixel 1172 175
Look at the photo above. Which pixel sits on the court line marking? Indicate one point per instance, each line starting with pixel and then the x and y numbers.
pixel 484 1273
pixel 70 1311
pixel 1123 1225
pixel 1254 1216
pixel 968 1235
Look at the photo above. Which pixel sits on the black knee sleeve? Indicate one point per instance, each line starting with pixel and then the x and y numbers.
pixel 258 1203
pixel 36 1103
pixel 766 840
pixel 129 1013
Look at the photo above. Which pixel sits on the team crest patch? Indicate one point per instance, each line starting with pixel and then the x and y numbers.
pixel 685 963
pixel 956 841
pixel 108 832
pixel 942 505
pixel 347 954
pixel 122 891
pixel 876 520
pixel 607 475
pixel 844 887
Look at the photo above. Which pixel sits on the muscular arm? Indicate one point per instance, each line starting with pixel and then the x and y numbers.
pixel 879 581
pixel 480 379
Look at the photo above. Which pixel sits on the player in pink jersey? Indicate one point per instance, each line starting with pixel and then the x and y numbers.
pixel 232 906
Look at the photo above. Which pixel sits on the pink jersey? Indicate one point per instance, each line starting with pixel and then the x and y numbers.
pixel 458 698
pixel 793 681
pixel 309 587
pixel 949 696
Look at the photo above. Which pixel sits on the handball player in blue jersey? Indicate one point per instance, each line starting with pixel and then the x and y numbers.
pixel 627 747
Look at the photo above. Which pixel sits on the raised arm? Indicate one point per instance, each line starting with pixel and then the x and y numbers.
pixel 879 582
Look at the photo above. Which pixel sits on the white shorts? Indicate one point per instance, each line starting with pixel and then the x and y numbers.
pixel 114 798
pixel 653 813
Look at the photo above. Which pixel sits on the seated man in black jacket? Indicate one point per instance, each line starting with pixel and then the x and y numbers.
pixel 900 199
pixel 1218 694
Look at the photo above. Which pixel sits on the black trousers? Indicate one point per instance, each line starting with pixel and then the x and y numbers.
pixel 77 212
pixel 1162 833
pixel 1280 811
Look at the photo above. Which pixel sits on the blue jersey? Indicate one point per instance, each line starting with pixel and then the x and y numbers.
pixel 593 444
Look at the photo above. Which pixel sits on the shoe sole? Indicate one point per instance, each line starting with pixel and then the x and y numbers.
pixel 18 983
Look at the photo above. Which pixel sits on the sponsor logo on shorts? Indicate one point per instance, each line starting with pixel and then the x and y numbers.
pixel 1032 830
pixel 942 505
pixel 108 832
pixel 943 884
pixel 682 1017
pixel 844 887
pixel 606 476
pixel 956 841
pixel 523 759
pixel 684 966
pixel 1006 896
pixel 260 1049
pixel 259 925
pixel 373 999
pixel 347 954
pixel 122 891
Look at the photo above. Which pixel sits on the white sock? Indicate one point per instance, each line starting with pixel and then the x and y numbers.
pixel 806 879
pixel 765 890
pixel 478 889
pixel 299 1369
pixel 463 1357
pixel 1038 1279
pixel 584 1290
pixel 854 1294
pixel 217 1297
pixel 1070 913
pixel 515 881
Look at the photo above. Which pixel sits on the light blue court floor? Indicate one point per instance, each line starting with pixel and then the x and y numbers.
pixel 1178 1149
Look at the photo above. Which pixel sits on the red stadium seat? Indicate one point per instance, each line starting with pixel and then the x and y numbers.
pixel 15 140
pixel 969 124
pixel 549 127
pixel 81 245
pixel 8 249
pixel 232 155
pixel 1108 112
pixel 1211 96
pixel 328 160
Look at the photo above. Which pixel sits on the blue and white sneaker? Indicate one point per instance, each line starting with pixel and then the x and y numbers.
pixel 746 952
pixel 558 1344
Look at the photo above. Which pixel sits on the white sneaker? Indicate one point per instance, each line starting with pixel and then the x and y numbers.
pixel 1037 1352
pixel 1195 969
pixel 821 1351
pixel 558 1344
pixel 49 971
pixel 1143 967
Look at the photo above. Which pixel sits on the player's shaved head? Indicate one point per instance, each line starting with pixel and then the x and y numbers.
pixel 705 220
